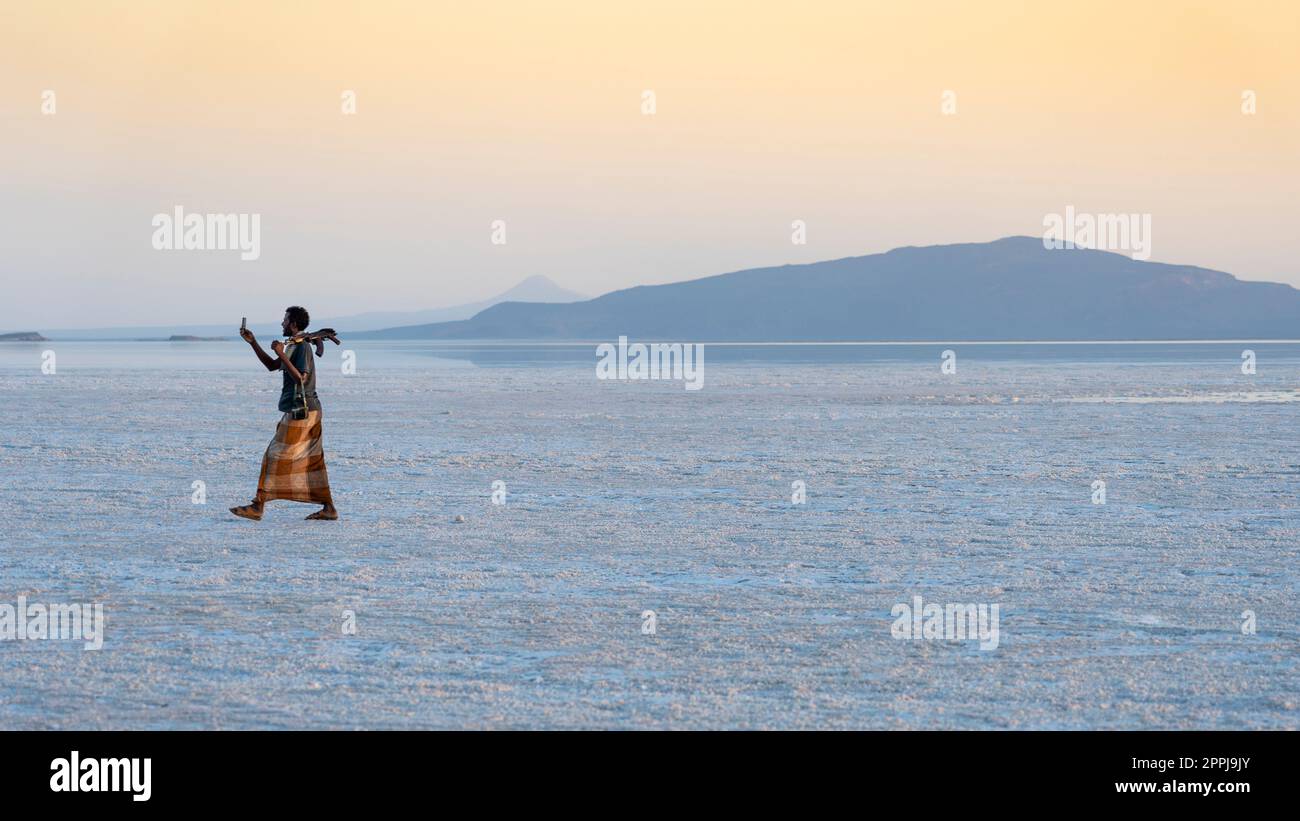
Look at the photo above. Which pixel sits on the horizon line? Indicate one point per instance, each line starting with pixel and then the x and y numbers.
pixel 734 344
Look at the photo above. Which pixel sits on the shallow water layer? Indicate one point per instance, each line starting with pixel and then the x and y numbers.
pixel 628 496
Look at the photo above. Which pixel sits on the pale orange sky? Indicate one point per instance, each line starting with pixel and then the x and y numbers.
pixel 530 113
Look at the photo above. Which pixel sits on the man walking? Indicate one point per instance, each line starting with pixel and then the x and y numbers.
pixel 294 465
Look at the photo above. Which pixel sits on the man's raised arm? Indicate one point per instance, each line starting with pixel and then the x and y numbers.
pixel 271 363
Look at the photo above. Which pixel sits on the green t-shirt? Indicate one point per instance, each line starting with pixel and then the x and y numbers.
pixel 293 397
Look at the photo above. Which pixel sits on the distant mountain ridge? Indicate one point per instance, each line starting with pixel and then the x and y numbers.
pixel 535 288
pixel 1008 289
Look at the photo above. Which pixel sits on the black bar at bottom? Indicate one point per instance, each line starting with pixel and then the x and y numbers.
pixel 334 770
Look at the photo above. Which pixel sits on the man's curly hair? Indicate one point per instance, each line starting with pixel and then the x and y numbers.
pixel 298 316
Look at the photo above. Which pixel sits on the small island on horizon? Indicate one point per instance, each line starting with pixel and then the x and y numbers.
pixel 34 336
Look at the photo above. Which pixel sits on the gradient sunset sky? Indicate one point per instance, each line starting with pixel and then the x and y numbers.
pixel 827 112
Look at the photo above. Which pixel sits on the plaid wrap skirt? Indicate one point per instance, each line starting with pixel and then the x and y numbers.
pixel 294 465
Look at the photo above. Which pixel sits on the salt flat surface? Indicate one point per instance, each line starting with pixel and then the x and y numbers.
pixel 632 496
